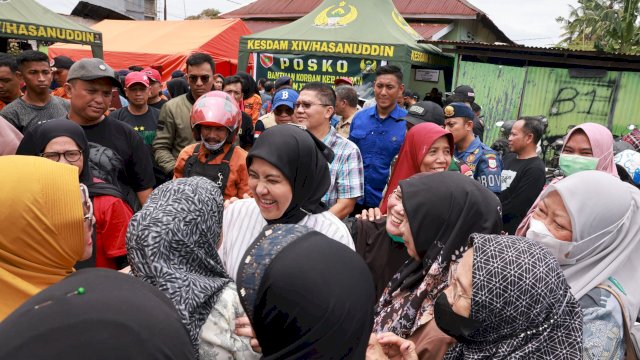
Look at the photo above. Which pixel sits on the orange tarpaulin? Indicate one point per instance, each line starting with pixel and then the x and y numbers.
pixel 165 43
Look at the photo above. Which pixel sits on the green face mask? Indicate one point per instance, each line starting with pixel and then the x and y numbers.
pixel 571 164
pixel 397 239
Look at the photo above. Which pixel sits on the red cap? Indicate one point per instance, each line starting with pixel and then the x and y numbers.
pixel 153 74
pixel 135 78
pixel 343 81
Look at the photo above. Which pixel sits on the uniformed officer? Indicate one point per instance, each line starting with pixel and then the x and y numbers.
pixel 485 165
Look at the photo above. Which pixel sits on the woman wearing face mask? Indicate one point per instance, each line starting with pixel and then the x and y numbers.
pixel 288 175
pixel 64 141
pixel 498 306
pixel 46 227
pixel 588 146
pixel 427 148
pixel 589 222
pixel 436 227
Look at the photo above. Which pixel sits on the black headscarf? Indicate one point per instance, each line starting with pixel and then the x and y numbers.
pixel 95 314
pixel 177 87
pixel 304 161
pixel 249 86
pixel 307 297
pixel 443 210
pixel 525 305
pixel 37 137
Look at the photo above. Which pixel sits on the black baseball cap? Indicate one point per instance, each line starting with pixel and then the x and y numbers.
pixel 61 62
pixel 283 80
pixel 466 91
pixel 425 111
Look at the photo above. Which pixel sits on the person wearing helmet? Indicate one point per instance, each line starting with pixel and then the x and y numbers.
pixel 215 119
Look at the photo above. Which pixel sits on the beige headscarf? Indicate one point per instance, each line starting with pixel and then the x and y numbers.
pixel 605 221
pixel 9 138
pixel 42 234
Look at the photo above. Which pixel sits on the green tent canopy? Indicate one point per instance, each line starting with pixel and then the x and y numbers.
pixel 365 29
pixel 27 19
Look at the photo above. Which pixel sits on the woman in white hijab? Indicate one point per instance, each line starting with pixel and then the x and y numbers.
pixel 590 221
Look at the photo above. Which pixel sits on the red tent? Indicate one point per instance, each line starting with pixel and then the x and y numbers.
pixel 164 43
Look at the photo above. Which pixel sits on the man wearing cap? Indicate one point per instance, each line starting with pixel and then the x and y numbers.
pixel 343 81
pixel 425 111
pixel 9 83
pixel 115 147
pixel 313 109
pixel 346 108
pixel 60 66
pixel 174 127
pixel 138 114
pixel 379 132
pixel 36 104
pixel 409 98
pixel 283 108
pixel 468 96
pixel 156 99
pixel 484 163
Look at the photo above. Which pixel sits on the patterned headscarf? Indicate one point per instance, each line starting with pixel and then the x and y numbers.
pixel 307 297
pixel 171 244
pixel 523 301
pixel 443 210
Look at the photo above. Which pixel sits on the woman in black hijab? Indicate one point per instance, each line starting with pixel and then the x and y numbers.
pixel 111 212
pixel 442 211
pixel 288 175
pixel 95 314
pixel 307 297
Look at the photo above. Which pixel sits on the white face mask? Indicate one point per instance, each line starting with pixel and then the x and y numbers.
pixel 213 147
pixel 559 249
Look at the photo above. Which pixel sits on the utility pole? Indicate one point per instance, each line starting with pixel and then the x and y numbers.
pixel 165 10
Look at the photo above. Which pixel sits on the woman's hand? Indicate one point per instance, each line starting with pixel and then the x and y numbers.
pixel 370 214
pixel 397 348
pixel 243 328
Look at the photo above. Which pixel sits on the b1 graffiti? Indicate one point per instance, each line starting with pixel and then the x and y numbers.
pixel 592 101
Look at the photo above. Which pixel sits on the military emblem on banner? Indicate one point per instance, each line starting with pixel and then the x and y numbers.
pixel 336 15
pixel 266 60
pixel 402 23
pixel 368 66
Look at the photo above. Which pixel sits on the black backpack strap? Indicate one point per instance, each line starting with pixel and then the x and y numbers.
pixel 188 165
pixel 98 189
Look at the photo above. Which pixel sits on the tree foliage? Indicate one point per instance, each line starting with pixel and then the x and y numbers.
pixel 603 25
pixel 205 14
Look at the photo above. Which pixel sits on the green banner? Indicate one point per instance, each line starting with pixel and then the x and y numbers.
pixel 311 68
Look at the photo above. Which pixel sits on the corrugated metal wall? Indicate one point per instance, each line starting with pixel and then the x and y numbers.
pixel 498 90
pixel 508 92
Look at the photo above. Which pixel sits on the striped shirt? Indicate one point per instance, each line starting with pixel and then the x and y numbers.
pixel 242 223
pixel 347 173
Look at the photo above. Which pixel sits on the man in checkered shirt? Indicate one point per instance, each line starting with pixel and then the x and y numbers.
pixel 313 109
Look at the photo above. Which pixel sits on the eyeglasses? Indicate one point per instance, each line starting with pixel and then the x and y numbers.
pixel 69 155
pixel 306 105
pixel 453 282
pixel 280 110
pixel 204 78
pixel 86 203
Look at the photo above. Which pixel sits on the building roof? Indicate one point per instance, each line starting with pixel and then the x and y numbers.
pixel 539 54
pixel 280 12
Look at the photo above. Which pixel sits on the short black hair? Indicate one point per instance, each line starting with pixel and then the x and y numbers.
pixel 31 56
pixel 268 86
pixel 347 93
pixel 9 61
pixel 262 81
pixel 390 70
pixel 233 79
pixel 533 125
pixel 325 92
pixel 475 107
pixel 199 59
pixel 135 68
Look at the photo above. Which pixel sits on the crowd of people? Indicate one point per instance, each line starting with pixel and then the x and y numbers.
pixel 214 217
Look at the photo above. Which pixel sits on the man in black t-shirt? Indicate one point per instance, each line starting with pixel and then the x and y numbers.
pixel 140 116
pixel 523 172
pixel 89 86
